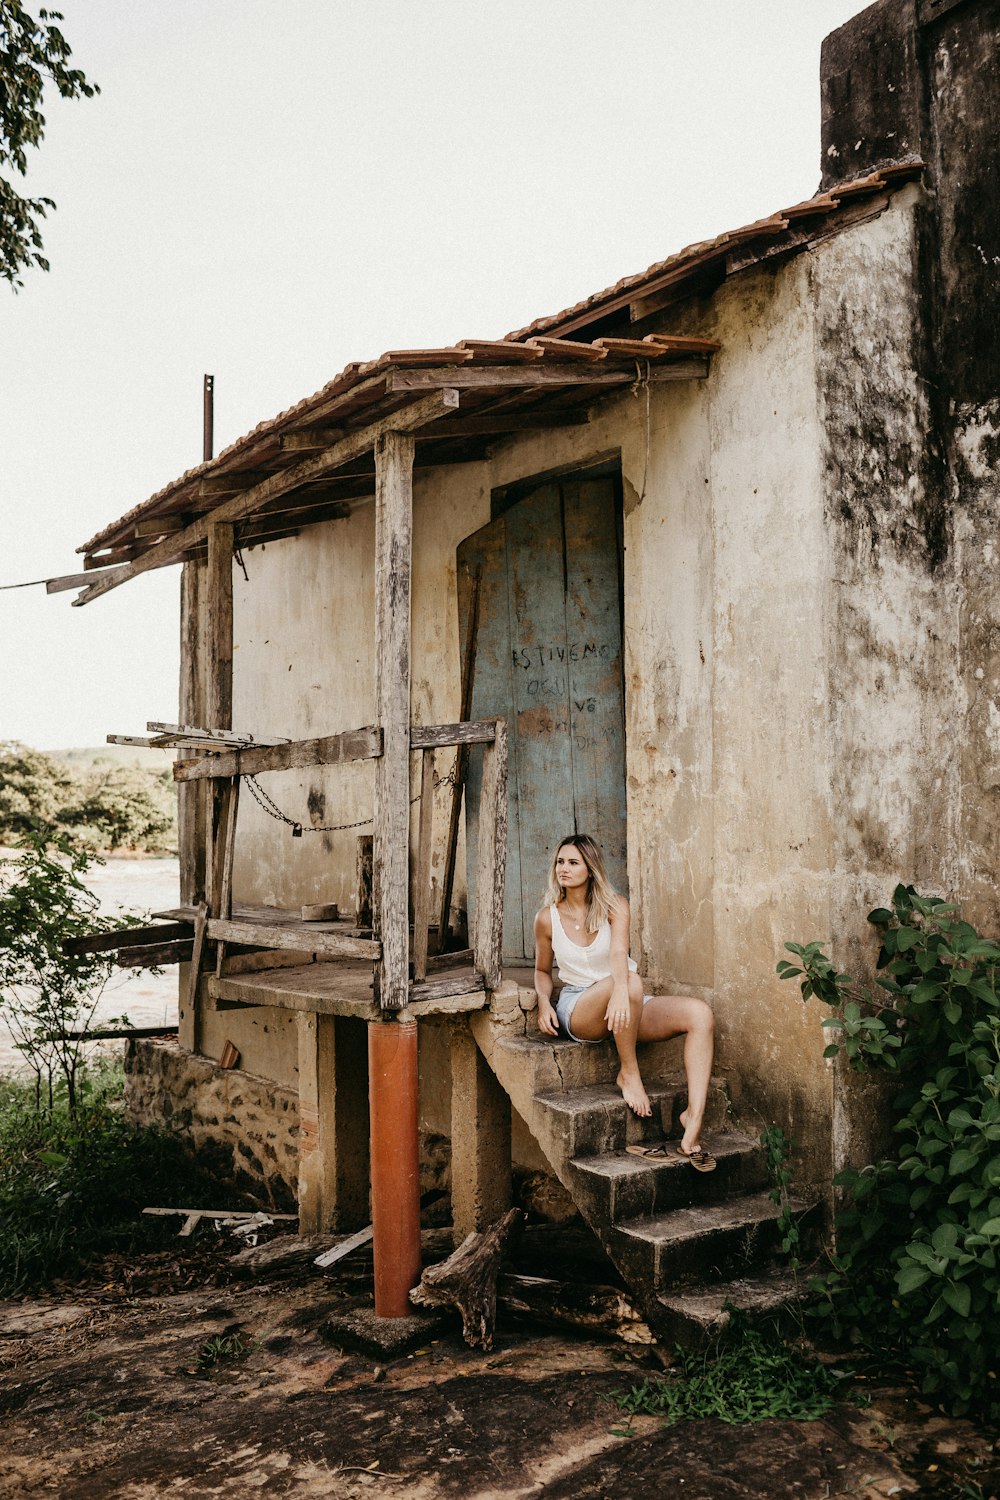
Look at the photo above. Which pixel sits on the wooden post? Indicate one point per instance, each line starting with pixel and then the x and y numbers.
pixel 191 701
pixel 192 799
pixel 422 871
pixel 219 626
pixel 393 527
pixel 491 858
pixel 333 1124
pixel 480 1137
pixel 219 684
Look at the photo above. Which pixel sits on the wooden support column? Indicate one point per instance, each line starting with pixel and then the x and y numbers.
pixel 192 799
pixel 393 529
pixel 219 680
pixel 491 858
pixel 480 1137
pixel 333 1124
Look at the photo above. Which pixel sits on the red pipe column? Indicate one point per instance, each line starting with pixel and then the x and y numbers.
pixel 395 1164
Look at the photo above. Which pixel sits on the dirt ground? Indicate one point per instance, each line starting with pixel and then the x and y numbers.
pixel 116 1389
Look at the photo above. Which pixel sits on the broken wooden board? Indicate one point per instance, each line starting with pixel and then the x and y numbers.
pixel 127 937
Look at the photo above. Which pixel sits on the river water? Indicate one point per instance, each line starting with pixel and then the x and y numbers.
pixel 135 885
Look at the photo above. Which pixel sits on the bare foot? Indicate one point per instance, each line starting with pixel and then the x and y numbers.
pixel 635 1095
pixel 691 1139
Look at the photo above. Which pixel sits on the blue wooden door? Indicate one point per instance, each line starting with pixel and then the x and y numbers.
pixel 549 660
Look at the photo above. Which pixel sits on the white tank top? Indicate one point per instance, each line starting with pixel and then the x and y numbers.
pixel 579 966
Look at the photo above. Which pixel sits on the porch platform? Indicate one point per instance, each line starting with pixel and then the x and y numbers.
pixel 344 988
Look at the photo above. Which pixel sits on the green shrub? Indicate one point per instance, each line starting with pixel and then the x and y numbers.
pixel 916 1269
pixel 752 1377
pixel 73 1186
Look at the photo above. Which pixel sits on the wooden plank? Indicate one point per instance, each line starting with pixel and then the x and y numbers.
pixel 310 440
pixel 68 581
pixel 492 858
pixel 116 1034
pixel 222 898
pixel 153 955
pixel 352 1242
pixel 191 801
pixel 426 736
pixel 303 938
pixel 266 958
pixel 501 422
pixel 141 740
pixel 219 624
pixel 422 871
pixel 446 984
pixel 229 484
pixel 407 419
pixel 189 1011
pixel 460 958
pixel 227 737
pixel 222 894
pixel 126 937
pixel 330 750
pixel 363 906
pixel 161 525
pixel 220 1213
pixel 393 541
pixel 461 765
pixel 479 377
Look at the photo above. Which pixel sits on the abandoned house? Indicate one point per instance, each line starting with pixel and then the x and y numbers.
pixel 704 566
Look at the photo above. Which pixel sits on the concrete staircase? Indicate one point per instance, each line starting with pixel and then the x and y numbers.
pixel 688 1244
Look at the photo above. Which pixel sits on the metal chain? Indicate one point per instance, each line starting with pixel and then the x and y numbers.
pixel 268 805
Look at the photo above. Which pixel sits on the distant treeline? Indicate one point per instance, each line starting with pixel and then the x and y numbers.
pixel 105 804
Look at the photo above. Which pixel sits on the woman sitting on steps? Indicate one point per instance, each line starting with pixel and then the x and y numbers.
pixel 584 927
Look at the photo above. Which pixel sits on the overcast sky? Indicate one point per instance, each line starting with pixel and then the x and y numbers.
pixel 267 191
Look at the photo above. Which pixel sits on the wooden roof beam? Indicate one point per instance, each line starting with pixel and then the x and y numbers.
pixel 478 377
pixel 311 440
pixel 408 418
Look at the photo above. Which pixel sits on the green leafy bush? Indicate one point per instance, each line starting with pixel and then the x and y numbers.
pixel 73 1186
pixel 916 1268
pixel 753 1377
pixel 48 997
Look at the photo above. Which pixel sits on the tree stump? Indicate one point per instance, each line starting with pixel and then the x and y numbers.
pixel 468 1280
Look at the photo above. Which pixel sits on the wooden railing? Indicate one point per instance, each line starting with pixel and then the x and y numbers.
pixel 366 744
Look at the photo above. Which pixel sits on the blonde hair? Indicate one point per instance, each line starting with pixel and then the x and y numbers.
pixel 602 897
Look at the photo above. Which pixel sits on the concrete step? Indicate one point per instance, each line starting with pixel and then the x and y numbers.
pixel 595 1120
pixel 692 1317
pixel 613 1187
pixel 549 1065
pixel 702 1243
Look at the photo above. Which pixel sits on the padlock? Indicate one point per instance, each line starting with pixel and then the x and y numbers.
pixel 296 830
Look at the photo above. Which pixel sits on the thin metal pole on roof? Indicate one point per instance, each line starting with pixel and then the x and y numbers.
pixel 208 419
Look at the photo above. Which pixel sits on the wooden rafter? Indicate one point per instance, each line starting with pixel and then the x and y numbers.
pixel 472 377
pixel 406 420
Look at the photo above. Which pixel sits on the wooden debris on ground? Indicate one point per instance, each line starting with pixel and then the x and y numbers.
pixel 587 1307
pixel 467 1280
pixel 230 1056
pixel 193 1216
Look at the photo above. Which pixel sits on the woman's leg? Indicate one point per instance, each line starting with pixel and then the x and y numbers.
pixel 671 1015
pixel 589 1022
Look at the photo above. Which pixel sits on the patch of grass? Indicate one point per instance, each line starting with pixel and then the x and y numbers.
pixel 752 1377
pixel 72 1187
pixel 224 1349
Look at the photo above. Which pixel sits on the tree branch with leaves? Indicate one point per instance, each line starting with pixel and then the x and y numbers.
pixel 34 55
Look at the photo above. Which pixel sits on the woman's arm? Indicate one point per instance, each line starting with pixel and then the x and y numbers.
pixel 547 1018
pixel 617 1014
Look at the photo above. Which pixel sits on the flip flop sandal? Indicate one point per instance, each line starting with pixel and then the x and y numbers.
pixel 701 1160
pixel 656 1150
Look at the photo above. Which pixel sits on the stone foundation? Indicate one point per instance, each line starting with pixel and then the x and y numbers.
pixel 245 1127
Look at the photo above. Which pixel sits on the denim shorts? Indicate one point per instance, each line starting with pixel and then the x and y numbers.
pixel 568 996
